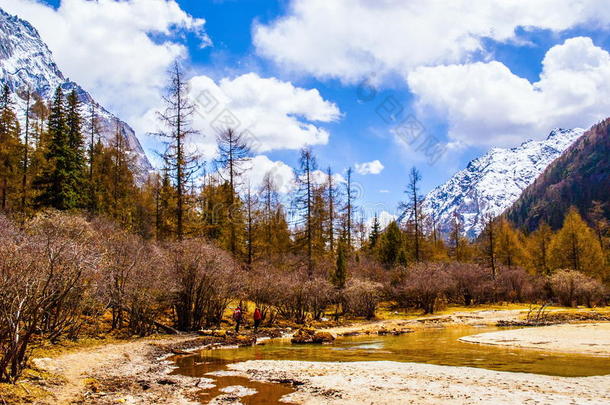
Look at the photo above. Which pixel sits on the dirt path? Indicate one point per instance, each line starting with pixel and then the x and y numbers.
pixel 124 372
pixel 593 339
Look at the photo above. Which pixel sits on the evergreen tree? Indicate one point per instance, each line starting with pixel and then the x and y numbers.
pixel 375 232
pixel 391 246
pixel 62 182
pixel 304 203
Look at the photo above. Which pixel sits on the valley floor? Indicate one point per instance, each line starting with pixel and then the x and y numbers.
pixel 136 372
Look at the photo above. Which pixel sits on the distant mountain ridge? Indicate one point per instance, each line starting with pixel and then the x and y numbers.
pixel 578 177
pixel 27 63
pixel 491 183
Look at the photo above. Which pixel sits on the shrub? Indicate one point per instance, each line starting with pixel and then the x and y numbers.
pixel 573 288
pixel 361 298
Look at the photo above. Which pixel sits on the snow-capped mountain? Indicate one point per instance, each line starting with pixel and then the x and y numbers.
pixel 491 183
pixel 27 63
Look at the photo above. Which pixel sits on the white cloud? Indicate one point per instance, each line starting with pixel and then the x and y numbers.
pixel 384 219
pixel 350 39
pixel 275 114
pixel 106 45
pixel 282 174
pixel 374 167
pixel 486 104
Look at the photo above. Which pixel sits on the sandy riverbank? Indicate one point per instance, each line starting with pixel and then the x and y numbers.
pixel 591 339
pixel 378 383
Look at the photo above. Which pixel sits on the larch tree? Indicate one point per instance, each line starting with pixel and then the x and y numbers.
pixel 375 232
pixel 304 202
pixel 489 244
pixel 26 150
pixel 177 119
pixel 576 247
pixel 331 196
pixel 10 150
pixel 538 248
pixel 510 249
pixel 350 196
pixel 414 213
pixel 233 153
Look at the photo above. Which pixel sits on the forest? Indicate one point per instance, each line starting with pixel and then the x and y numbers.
pixel 82 236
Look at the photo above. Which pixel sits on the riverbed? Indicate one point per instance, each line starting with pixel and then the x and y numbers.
pixel 433 346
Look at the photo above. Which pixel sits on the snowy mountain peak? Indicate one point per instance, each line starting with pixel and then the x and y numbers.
pixel 493 182
pixel 27 63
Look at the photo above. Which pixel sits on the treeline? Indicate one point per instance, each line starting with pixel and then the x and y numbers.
pixel 81 237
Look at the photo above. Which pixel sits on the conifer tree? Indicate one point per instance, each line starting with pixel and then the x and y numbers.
pixel 375 232
pixel 233 153
pixel 177 117
pixel 391 246
pixel 576 247
pixel 489 244
pixel 10 150
pixel 510 250
pixel 62 181
pixel 304 202
pixel 538 246
pixel 414 214
pixel 339 276
pixel 331 196
pixel 350 196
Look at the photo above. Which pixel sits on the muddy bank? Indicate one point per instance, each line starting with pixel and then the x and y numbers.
pixel 136 372
pixel 392 383
pixel 589 339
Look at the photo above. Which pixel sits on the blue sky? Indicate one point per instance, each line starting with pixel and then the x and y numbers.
pixel 501 76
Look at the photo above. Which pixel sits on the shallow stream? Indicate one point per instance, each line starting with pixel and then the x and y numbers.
pixel 434 346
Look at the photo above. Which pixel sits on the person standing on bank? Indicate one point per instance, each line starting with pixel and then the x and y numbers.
pixel 237 317
pixel 258 318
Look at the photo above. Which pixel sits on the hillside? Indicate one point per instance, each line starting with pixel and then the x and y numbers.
pixel 492 182
pixel 579 177
pixel 27 63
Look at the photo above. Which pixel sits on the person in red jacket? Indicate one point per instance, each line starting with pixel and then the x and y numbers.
pixel 258 318
pixel 237 317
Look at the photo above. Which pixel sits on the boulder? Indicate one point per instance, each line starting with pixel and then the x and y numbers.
pixel 303 336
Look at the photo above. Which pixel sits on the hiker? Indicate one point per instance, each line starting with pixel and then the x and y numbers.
pixel 258 318
pixel 237 316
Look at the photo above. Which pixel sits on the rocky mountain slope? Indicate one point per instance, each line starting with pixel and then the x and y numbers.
pixel 493 182
pixel 578 177
pixel 27 63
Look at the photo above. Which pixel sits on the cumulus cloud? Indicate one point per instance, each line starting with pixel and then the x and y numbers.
pixel 374 167
pixel 272 114
pixel 349 39
pixel 281 174
pixel 107 46
pixel 487 104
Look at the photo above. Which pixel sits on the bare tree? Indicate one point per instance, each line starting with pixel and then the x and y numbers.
pixel 331 195
pixel 349 209
pixel 177 117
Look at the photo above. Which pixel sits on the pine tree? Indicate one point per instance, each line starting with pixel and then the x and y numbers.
pixel 10 151
pixel 576 247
